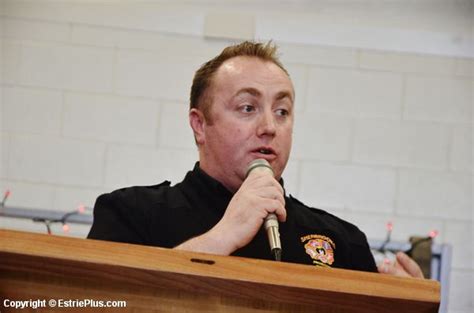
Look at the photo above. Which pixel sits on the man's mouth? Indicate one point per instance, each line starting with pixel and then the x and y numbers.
pixel 265 151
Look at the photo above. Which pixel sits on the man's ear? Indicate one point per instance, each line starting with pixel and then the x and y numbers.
pixel 198 123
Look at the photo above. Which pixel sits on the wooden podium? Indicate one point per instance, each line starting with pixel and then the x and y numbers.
pixel 149 279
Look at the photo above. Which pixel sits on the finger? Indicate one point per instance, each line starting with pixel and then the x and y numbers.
pixel 271 193
pixel 277 185
pixel 281 213
pixel 389 268
pixel 264 180
pixel 409 265
pixel 384 268
pixel 274 206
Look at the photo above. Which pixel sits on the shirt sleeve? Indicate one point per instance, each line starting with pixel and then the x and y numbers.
pixel 362 258
pixel 117 217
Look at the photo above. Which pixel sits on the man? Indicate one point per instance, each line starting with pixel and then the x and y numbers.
pixel 242 109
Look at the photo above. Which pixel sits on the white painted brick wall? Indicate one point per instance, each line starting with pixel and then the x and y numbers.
pixel 299 76
pixel 460 234
pixel 318 55
pixel 127 166
pixel 48 196
pixel 461 148
pixel 66 66
pixel 323 137
pixel 94 97
pixel 36 30
pixel 399 26
pixel 333 186
pixel 11 54
pixel 464 67
pixel 354 93
pixel 56 161
pixel 110 118
pixel 167 43
pixel 39 195
pixel 372 224
pixel 406 63
pixel 162 17
pixel 461 292
pixel 230 24
pixel 4 147
pixel 67 199
pixel 174 130
pixel 109 37
pixel 155 75
pixel 31 110
pixel 438 99
pixel 435 193
pixel 290 178
pixel 395 143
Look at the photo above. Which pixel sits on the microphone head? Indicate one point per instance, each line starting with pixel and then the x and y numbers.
pixel 262 163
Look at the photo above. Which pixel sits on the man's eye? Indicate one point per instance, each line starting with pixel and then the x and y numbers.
pixel 282 112
pixel 247 108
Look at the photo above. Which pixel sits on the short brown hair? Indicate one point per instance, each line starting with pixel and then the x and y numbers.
pixel 203 77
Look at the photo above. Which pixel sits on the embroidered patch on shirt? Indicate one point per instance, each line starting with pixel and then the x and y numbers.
pixel 320 248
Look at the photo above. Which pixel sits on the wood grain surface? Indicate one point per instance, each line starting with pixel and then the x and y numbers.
pixel 151 279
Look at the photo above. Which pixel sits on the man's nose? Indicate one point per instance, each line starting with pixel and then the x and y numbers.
pixel 267 124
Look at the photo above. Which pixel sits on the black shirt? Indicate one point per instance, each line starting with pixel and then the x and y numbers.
pixel 166 216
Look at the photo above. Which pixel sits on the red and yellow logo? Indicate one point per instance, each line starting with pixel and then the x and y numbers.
pixel 320 249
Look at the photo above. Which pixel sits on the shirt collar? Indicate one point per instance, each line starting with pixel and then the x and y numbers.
pixel 199 176
pixel 206 192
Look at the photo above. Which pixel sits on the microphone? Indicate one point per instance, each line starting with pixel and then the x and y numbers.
pixel 271 221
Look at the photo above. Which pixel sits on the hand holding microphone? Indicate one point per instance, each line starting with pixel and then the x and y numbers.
pixel 271 221
pixel 259 201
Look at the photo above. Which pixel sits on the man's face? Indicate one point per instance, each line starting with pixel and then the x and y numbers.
pixel 251 117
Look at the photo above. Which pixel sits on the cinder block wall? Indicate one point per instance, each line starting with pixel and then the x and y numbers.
pixel 94 97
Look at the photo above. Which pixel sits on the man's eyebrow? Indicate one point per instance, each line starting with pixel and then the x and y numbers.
pixel 284 94
pixel 252 91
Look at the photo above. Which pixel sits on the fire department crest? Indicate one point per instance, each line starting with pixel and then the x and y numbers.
pixel 320 249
